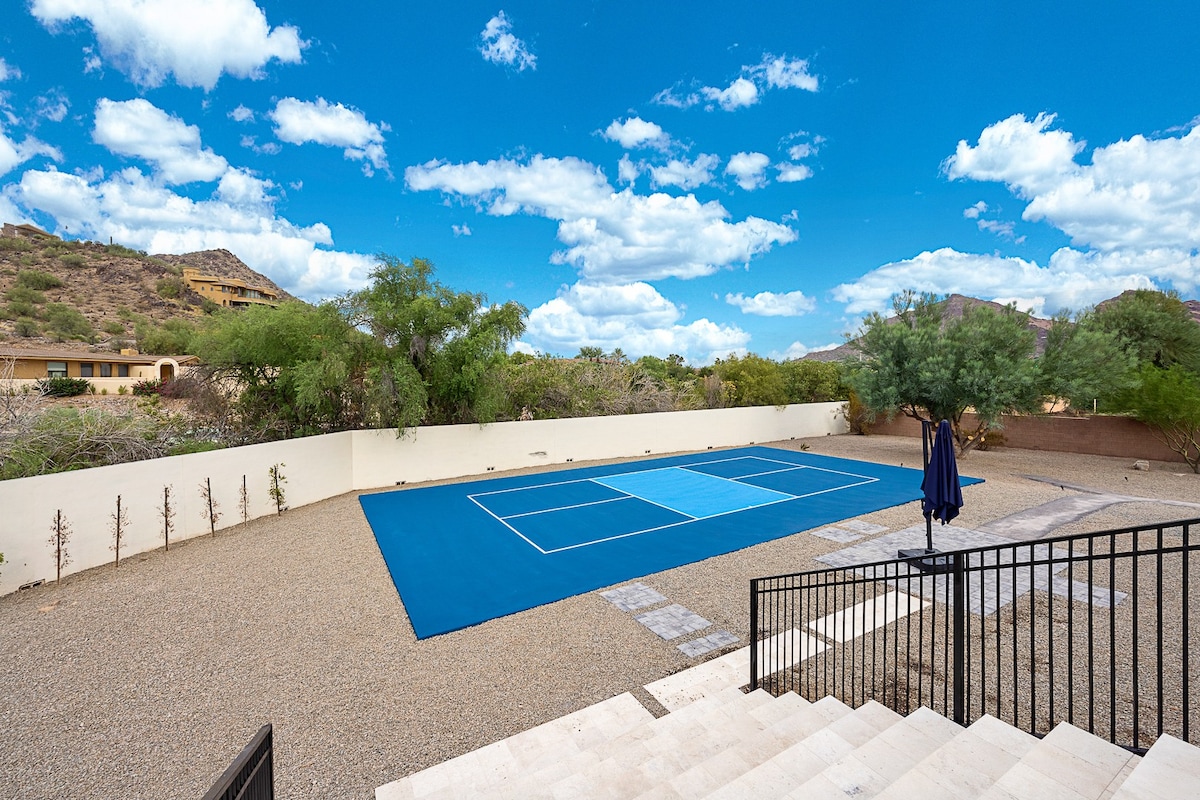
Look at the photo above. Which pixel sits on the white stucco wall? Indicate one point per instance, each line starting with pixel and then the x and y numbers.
pixel 320 467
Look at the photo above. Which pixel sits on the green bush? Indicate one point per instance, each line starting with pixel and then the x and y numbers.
pixel 26 327
pixel 14 245
pixel 193 446
pixel 36 279
pixel 72 259
pixel 64 322
pixel 170 288
pixel 24 294
pixel 62 387
pixel 147 388
pixel 113 328
pixel 123 251
pixel 23 308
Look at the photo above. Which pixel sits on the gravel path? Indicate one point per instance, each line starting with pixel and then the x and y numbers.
pixel 145 681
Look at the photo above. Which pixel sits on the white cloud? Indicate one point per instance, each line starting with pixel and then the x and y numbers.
pixel 637 132
pixel 461 230
pixel 609 236
pixel 973 212
pixel 299 121
pixel 8 71
pixel 800 350
pixel 739 94
pixel 748 169
pixel 793 173
pixel 241 114
pixel 773 304
pixel 683 173
pixel 1070 280
pixel 14 153
pixel 676 98
pixel 138 129
pixel 195 40
pixel 785 73
pixel 801 151
pixel 501 47
pixel 140 212
pixel 1133 213
pixel 634 317
pixel 627 171
pixel 53 105
pixel 1019 152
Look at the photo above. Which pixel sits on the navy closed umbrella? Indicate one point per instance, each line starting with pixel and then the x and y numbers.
pixel 943 494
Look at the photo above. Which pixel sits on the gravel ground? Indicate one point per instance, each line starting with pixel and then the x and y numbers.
pixel 146 680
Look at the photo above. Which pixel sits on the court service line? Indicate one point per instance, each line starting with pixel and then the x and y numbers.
pixel 577 505
pixel 488 511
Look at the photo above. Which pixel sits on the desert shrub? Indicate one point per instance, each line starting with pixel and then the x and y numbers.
pixel 23 294
pixel 123 251
pixel 147 387
pixel 38 280
pixel 14 245
pixel 208 306
pixel 72 259
pixel 122 390
pixel 64 322
pixel 62 387
pixel 858 415
pixel 193 446
pixel 112 328
pixel 26 327
pixel 126 313
pixel 170 287
pixel 6 314
pixel 28 261
pixel 22 308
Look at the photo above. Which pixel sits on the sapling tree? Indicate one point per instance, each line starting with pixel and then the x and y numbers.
pixel 59 539
pixel 244 502
pixel 209 510
pixel 168 517
pixel 120 522
pixel 277 491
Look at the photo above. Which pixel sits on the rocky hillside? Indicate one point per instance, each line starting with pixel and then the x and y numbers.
pixel 87 295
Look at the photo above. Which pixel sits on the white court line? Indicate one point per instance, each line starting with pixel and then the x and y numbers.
pixel 487 510
pixel 567 508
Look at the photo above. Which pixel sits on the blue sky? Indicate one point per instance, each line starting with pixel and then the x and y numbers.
pixel 698 179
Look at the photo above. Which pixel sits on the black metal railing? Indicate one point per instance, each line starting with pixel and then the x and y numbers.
pixel 251 776
pixel 1094 629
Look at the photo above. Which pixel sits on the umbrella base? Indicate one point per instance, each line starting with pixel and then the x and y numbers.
pixel 926 560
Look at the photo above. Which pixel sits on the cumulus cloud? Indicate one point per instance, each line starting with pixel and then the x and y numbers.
pixel 241 114
pixel 14 153
pixel 609 236
pixel 139 129
pixel 773 304
pixel 500 46
pixel 1133 213
pixel 773 72
pixel 739 94
pixel 793 173
pixel 781 72
pixel 460 230
pixel 627 170
pixel 634 317
pixel 196 41
pixel 637 132
pixel 1071 279
pixel 239 216
pixel 683 173
pixel 334 125
pixel 53 105
pixel 748 169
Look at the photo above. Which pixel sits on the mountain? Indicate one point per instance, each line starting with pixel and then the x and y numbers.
pixel 44 281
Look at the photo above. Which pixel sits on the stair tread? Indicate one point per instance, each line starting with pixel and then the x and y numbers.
pixel 1168 771
pixel 1068 761
pixel 965 766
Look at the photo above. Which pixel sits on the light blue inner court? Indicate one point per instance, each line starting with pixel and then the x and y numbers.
pixel 692 493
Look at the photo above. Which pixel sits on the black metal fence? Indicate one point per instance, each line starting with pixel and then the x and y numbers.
pixel 1094 629
pixel 251 776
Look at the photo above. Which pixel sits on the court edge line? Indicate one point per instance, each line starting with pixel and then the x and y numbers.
pixel 529 541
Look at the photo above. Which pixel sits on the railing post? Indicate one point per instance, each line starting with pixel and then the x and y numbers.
pixel 960 637
pixel 753 634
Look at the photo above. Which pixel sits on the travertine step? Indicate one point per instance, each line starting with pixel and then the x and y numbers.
pixel 523 752
pixel 1169 771
pixel 870 768
pixel 1068 763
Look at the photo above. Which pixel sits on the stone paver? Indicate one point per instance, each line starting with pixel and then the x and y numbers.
pixel 633 596
pixel 673 621
pixel 837 535
pixel 706 644
pixel 860 526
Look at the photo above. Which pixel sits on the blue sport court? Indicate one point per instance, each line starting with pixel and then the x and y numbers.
pixel 464 553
